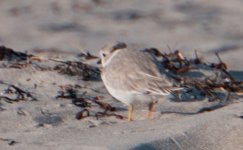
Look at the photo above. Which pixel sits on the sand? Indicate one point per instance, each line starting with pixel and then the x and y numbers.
pixel 64 29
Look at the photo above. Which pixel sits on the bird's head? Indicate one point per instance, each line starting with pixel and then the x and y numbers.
pixel 108 51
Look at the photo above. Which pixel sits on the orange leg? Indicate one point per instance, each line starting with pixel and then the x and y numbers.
pixel 130 112
pixel 150 110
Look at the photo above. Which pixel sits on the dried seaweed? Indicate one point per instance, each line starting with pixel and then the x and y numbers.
pixel 76 68
pixel 208 86
pixel 14 59
pixel 15 94
pixel 9 141
pixel 85 102
pixel 9 54
pixel 87 56
pixel 81 114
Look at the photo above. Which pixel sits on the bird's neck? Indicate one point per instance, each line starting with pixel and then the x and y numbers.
pixel 107 61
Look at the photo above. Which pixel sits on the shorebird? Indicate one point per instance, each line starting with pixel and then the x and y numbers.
pixel 133 76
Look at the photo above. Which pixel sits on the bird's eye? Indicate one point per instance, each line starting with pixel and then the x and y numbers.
pixel 103 54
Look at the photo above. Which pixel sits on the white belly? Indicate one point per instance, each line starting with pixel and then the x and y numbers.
pixel 128 97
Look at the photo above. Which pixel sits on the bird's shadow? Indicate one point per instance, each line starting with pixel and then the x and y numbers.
pixel 213 107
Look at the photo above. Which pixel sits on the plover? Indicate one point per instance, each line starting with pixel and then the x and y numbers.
pixel 133 76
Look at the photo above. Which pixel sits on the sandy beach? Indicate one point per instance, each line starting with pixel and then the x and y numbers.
pixel 44 113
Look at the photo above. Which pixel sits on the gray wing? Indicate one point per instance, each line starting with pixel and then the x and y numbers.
pixel 138 72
